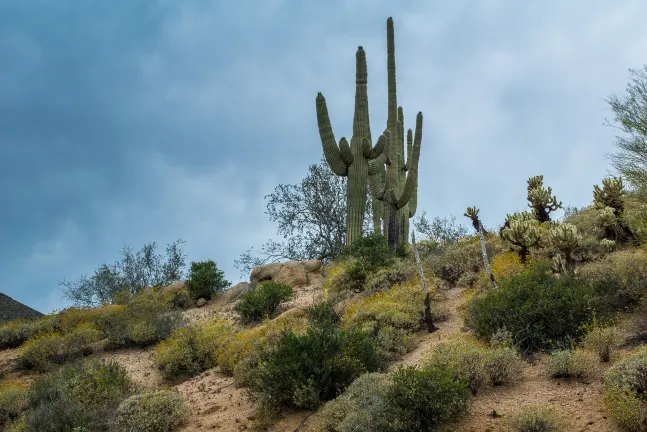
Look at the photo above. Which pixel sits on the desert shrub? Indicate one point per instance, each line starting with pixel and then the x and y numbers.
pixel 424 399
pixel 391 316
pixel 303 370
pixel 477 365
pixel 620 277
pixel 346 275
pixel 147 318
pixel 503 365
pixel 570 364
pixel 401 271
pixel 178 296
pixel 372 250
pixel 191 350
pixel 362 407
pixel 152 411
pixel 531 418
pixel 538 309
pixel 15 333
pixel 205 280
pixel 601 338
pixel 243 344
pixel 506 264
pixel 81 395
pixel 462 260
pixel 13 400
pixel 49 348
pixel 261 300
pixel 625 387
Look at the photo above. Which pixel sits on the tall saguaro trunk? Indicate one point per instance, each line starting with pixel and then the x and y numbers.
pixel 396 185
pixel 352 160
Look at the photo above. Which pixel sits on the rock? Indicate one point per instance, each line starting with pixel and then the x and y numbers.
pixel 233 293
pixel 293 273
pixel 201 302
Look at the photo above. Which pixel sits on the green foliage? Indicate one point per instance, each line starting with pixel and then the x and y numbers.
pixel 424 399
pixel 621 277
pixel 261 301
pixel 462 261
pixel 390 317
pixel 371 251
pixel 133 273
pixel 49 348
pixel 570 364
pixel 16 332
pixel 476 365
pixel 625 387
pixel 531 418
pixel 304 370
pixel 152 411
pixel 399 272
pixel 145 319
pixel 13 400
pixel 191 350
pixel 362 407
pixel 82 395
pixel 205 279
pixel 538 309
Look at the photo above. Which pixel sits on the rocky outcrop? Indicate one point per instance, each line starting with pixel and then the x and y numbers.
pixel 297 274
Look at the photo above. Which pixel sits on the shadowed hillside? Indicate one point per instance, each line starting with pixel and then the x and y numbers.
pixel 11 309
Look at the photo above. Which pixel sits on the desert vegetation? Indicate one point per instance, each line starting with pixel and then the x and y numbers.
pixel 355 352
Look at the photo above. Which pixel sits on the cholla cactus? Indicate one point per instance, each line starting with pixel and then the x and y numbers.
pixel 542 202
pixel 522 233
pixel 565 239
pixel 608 245
pixel 611 194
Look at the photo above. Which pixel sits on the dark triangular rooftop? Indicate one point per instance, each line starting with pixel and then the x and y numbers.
pixel 11 309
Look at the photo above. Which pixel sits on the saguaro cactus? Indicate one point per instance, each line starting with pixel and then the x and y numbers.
pixel 352 159
pixel 396 186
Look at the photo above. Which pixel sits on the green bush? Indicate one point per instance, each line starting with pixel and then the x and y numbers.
pixel 191 350
pixel 570 364
pixel 145 319
pixel 372 251
pixel 153 411
pixel 602 341
pixel 620 277
pixel 261 301
pixel 383 279
pixel 15 333
pixel 532 418
pixel 476 365
pixel 462 262
pixel 81 395
pixel 625 387
pixel 13 400
pixel 49 348
pixel 538 309
pixel 205 280
pixel 362 407
pixel 422 400
pixel 303 370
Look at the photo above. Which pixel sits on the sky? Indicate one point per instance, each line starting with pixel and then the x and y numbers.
pixel 133 121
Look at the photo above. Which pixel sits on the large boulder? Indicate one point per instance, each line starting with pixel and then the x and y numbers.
pixel 294 273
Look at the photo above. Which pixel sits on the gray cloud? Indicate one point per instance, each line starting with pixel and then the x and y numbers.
pixel 137 121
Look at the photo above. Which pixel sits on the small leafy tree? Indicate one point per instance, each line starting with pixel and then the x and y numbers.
pixel 311 217
pixel 630 118
pixel 205 279
pixel 444 231
pixel 134 272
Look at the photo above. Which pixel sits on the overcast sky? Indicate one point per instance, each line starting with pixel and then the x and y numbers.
pixel 132 121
